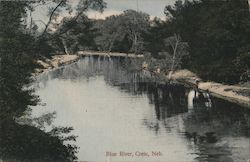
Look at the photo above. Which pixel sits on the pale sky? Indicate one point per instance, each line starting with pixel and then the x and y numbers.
pixel 152 7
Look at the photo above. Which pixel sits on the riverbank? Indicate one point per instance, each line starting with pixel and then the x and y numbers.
pixel 61 60
pixel 55 62
pixel 232 93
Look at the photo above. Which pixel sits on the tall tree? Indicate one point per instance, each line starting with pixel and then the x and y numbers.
pixel 16 60
pixel 110 30
pixel 17 63
pixel 136 24
pixel 215 31
pixel 126 28
pixel 177 50
pixel 62 18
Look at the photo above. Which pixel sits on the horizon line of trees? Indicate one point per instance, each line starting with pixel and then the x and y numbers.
pixel 216 33
pixel 211 38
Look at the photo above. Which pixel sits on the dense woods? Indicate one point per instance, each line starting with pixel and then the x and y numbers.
pixel 18 55
pixel 23 138
pixel 210 38
pixel 123 33
pixel 217 33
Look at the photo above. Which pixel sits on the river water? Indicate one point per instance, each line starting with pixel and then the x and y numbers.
pixel 120 115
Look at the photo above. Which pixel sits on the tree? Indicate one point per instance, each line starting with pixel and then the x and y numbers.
pixel 178 50
pixel 80 36
pixel 136 24
pixel 111 30
pixel 82 7
pixel 57 33
pixel 215 32
pixel 123 32
pixel 18 57
pixel 158 31
pixel 16 61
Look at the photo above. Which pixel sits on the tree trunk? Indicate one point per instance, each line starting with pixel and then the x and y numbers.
pixel 31 21
pixel 65 47
pixel 135 43
pixel 174 55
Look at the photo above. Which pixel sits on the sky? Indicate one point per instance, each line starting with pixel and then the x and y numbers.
pixel 114 7
pixel 152 7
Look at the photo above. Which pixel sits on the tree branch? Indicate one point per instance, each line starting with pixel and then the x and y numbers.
pixel 75 18
pixel 51 16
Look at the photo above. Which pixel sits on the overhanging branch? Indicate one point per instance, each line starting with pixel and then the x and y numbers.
pixel 51 16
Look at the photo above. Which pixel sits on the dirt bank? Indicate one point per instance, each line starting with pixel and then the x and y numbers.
pixel 111 54
pixel 233 93
pixel 60 60
pixel 55 62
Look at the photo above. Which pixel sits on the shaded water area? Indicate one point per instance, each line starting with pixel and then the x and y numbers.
pixel 113 110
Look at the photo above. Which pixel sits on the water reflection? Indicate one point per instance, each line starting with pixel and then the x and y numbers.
pixel 113 109
pixel 219 131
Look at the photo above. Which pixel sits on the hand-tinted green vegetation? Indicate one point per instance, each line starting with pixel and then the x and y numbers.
pixel 18 55
pixel 218 34
pixel 208 37
pixel 20 46
pixel 123 33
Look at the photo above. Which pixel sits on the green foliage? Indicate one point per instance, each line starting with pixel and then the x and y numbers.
pixel 72 33
pixel 16 60
pixel 154 38
pixel 215 31
pixel 28 144
pixel 123 33
pixel 242 63
pixel 79 35
pixel 18 54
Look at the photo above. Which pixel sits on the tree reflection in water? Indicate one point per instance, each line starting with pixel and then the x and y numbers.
pixel 215 129
pixel 212 125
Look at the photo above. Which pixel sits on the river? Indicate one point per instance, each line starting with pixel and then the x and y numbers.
pixel 120 115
